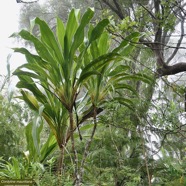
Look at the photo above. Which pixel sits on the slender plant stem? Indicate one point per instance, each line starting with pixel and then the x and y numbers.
pixel 146 161
pixel 76 171
pixel 87 147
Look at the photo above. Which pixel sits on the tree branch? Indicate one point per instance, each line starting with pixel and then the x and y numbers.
pixel 110 6
pixel 171 70
pixel 150 13
pixel 21 1
pixel 117 10
pixel 158 27
pixel 178 44
pixel 120 14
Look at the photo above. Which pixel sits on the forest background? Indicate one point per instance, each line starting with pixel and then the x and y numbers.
pixel 105 94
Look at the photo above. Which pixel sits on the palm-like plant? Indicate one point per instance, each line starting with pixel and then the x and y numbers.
pixel 78 58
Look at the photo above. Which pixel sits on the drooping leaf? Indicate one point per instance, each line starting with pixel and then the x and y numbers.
pixel 30 100
pixel 125 86
pixel 48 147
pixel 79 35
pixel 124 101
pixel 39 46
pixel 71 27
pixel 118 70
pixel 60 32
pixel 126 42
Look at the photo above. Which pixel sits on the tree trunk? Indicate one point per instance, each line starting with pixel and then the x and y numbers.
pixel 61 159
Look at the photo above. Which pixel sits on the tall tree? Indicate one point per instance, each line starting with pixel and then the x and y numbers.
pixel 163 19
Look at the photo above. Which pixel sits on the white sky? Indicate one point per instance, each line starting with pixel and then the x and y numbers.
pixel 9 15
pixel 9 19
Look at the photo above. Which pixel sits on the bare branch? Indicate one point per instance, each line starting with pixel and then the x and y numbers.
pixel 116 10
pixel 178 44
pixel 21 1
pixel 120 14
pixel 171 70
pixel 110 6
pixel 150 13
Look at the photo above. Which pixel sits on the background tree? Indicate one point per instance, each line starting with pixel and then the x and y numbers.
pixel 13 118
pixel 12 126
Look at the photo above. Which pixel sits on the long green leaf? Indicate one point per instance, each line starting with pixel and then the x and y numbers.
pixel 104 43
pixel 49 39
pixel 39 46
pixel 124 101
pixel 118 70
pixel 72 25
pixel 48 147
pixel 94 50
pixel 30 100
pixel 125 86
pixel 60 32
pixel 32 87
pixel 36 130
pixel 30 143
pixel 127 41
pixel 79 35
pixel 102 59
pixel 98 30
pixel 86 75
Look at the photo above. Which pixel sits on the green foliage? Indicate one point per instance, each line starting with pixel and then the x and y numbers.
pixel 20 168
pixel 127 25
pixel 109 160
pixel 12 127
pixel 37 151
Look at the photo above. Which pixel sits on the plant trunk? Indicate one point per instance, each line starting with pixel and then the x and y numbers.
pixel 60 164
pixel 61 159
pixel 76 169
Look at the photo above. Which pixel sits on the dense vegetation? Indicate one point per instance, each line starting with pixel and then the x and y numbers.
pixel 105 94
